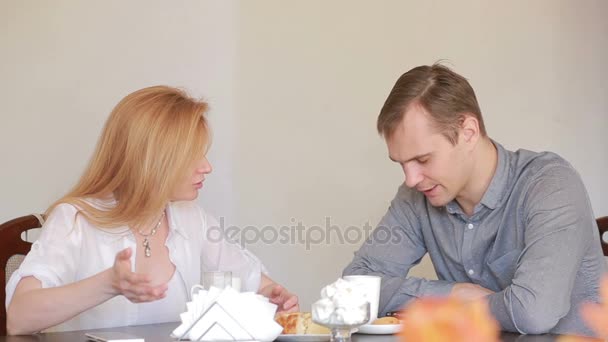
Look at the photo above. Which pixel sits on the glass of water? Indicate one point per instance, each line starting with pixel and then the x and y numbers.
pixel 219 279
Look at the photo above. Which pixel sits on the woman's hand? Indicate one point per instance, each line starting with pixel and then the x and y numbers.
pixel 286 301
pixel 34 308
pixel 136 287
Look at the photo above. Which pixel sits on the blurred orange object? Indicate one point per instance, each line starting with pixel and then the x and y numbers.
pixel 572 338
pixel 448 319
pixel 595 315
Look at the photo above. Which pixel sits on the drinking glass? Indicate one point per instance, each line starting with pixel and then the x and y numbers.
pixel 219 279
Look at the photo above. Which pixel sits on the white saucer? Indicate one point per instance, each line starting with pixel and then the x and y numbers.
pixel 379 329
pixel 303 337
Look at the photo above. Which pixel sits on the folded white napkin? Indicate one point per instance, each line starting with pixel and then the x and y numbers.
pixel 226 315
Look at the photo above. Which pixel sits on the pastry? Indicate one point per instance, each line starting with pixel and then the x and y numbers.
pixel 386 320
pixel 300 323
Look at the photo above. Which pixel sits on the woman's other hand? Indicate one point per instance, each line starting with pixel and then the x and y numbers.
pixel 136 287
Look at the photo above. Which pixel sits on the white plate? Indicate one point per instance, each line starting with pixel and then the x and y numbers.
pixel 303 337
pixel 379 329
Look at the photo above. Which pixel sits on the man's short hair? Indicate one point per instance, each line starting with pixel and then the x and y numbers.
pixel 444 94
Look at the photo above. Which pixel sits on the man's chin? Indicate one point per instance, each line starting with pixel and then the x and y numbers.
pixel 437 202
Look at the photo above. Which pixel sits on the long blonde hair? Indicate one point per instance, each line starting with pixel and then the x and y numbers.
pixel 148 144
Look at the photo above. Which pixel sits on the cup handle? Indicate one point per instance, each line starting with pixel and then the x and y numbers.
pixel 194 288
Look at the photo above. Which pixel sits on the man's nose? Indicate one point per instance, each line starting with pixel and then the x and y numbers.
pixel 413 176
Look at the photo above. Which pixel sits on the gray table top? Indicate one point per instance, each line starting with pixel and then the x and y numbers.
pixel 160 333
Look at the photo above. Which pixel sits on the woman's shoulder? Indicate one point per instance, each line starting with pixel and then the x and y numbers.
pixel 62 210
pixel 73 206
pixel 70 214
pixel 62 223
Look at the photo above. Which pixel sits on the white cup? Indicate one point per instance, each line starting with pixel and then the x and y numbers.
pixel 371 285
pixel 219 279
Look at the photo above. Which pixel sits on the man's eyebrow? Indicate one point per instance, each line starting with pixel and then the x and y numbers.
pixel 415 157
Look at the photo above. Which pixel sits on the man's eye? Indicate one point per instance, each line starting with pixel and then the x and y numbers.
pixel 423 161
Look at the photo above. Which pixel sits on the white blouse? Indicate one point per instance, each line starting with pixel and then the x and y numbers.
pixel 167 308
pixel 70 249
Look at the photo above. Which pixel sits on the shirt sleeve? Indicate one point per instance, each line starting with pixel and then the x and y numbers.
pixel 556 237
pixel 394 247
pixel 52 258
pixel 222 254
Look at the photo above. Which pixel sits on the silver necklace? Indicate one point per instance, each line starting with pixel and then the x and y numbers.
pixel 146 244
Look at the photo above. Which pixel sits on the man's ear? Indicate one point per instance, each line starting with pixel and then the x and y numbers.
pixel 469 129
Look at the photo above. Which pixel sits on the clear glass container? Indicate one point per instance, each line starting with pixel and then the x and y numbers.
pixel 341 331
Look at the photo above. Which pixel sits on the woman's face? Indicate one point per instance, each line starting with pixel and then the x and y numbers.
pixel 187 189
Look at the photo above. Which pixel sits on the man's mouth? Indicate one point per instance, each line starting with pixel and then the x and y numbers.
pixel 427 191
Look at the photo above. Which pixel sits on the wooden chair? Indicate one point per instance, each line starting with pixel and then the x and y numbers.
pixel 602 224
pixel 12 252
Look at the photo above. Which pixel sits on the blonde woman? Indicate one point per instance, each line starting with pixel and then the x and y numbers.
pixel 126 244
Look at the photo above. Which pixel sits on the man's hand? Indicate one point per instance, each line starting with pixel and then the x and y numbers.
pixel 286 301
pixel 468 291
pixel 136 287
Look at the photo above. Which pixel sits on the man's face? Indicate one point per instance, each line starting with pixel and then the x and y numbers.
pixel 432 165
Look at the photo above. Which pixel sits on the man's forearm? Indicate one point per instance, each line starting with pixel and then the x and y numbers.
pixel 518 316
pixel 499 310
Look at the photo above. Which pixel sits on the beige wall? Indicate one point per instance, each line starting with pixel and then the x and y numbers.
pixel 66 63
pixel 314 74
pixel 295 87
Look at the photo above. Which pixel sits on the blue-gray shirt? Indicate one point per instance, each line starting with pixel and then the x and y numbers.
pixel 532 239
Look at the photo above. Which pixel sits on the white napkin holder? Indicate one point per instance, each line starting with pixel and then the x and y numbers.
pixel 227 315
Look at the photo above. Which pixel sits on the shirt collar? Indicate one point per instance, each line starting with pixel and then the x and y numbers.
pixel 118 233
pixel 495 192
pixel 493 196
pixel 174 224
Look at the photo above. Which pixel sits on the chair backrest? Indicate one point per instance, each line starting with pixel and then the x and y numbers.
pixel 602 225
pixel 12 251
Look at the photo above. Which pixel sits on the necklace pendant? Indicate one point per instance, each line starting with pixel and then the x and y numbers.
pixel 146 242
pixel 147 251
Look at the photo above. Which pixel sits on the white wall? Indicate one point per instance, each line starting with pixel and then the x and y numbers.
pixel 313 76
pixel 295 88
pixel 65 64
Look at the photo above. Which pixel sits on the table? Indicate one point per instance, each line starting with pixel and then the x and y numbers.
pixel 160 333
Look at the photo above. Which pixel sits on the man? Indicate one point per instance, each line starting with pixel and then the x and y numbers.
pixel 515 228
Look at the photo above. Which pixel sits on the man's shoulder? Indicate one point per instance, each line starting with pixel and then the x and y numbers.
pixel 534 165
pixel 541 174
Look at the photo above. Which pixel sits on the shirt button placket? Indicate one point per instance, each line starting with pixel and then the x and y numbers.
pixel 467 248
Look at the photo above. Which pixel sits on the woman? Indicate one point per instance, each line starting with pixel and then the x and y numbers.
pixel 127 243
